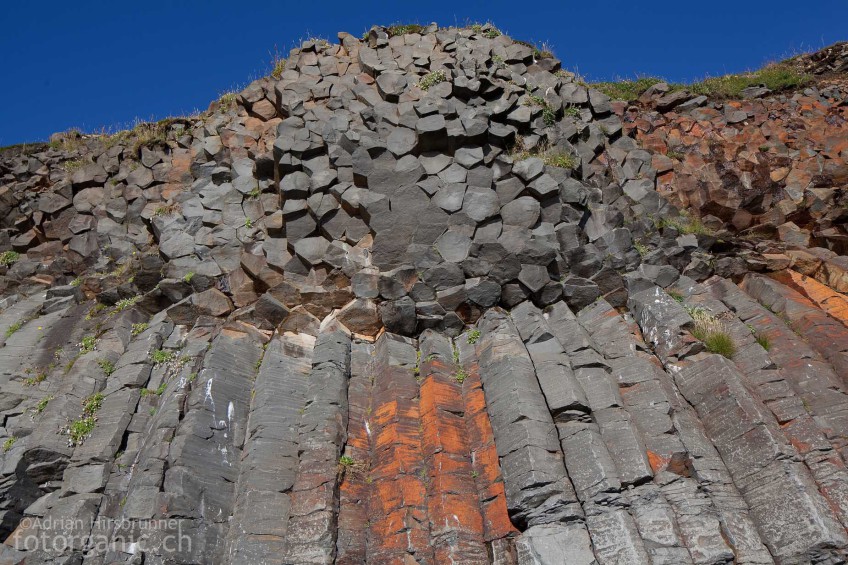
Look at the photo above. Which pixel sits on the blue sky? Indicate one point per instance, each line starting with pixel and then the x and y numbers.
pixel 103 64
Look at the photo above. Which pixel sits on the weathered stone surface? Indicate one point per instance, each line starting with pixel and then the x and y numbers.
pixel 537 487
pixel 400 188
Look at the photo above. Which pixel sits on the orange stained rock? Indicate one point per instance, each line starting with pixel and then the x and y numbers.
pixel 654 144
pixel 354 488
pixel 832 302
pixel 453 502
pixel 484 457
pixel 397 505
pixel 657 461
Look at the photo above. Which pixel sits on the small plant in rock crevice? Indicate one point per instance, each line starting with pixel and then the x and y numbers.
pixel 139 328
pixel 88 344
pixel 125 303
pixel 7 445
pixel 107 366
pixel 710 330
pixel 548 113
pixel 95 311
pixel 42 404
pixel 473 336
pixel 417 369
pixel 40 375
pixel 550 156
pixel 162 356
pixel 675 294
pixel 348 465
pixel 14 327
pixel 459 374
pixel 9 257
pixel 571 111
pixel 78 430
pixel 431 79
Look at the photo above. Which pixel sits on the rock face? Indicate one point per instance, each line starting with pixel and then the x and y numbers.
pixel 424 298
pixel 770 166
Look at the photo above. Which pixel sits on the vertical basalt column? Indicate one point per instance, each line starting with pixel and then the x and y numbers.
pixel 204 457
pixel 825 335
pixel 676 520
pixel 789 404
pixel 357 480
pixel 270 461
pixel 312 528
pixel 456 525
pixel 399 525
pixel 602 453
pixel 790 514
pixel 484 455
pixel 537 487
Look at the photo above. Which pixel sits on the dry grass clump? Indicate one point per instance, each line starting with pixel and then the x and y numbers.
pixel 551 156
pixel 712 332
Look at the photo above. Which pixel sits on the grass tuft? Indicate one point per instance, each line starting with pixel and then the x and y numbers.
pixel 278 65
pixel 72 165
pixel 168 209
pixel 776 77
pixel 675 294
pixel 227 100
pixel 403 29
pixel 551 157
pixel 685 225
pixel 14 327
pixel 712 332
pixel 626 89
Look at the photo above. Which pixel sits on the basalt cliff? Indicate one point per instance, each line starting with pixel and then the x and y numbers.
pixel 424 297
